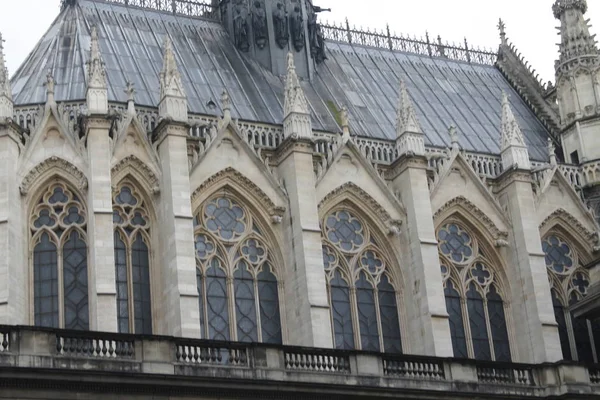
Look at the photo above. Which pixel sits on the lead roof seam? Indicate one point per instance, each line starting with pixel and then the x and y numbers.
pixel 133 57
pixel 110 43
pixel 375 117
pixel 215 64
pixel 241 56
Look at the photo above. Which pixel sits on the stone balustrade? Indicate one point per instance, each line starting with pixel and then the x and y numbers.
pixel 184 361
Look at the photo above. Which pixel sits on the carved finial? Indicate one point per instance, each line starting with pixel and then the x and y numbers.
pixel 406 118
pixel 455 145
pixel 514 150
pixel 502 29
pixel 97 92
pixel 173 99
pixel 226 104
pixel 50 86
pixel 552 152
pixel 295 101
pixel 6 103
pixel 130 92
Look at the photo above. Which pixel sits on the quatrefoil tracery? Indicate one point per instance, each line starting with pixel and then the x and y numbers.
pixel 59 210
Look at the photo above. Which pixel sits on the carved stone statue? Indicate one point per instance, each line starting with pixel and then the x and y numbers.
pixel 312 31
pixel 259 24
pixel 240 25
pixel 297 28
pixel 320 55
pixel 280 24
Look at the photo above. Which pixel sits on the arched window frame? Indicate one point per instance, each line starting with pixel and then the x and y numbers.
pixel 461 274
pixel 229 253
pixel 346 263
pixel 59 234
pixel 128 232
pixel 567 292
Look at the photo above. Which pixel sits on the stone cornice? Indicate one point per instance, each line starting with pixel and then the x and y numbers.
pixel 275 212
pixel 46 167
pixel 168 127
pixel 510 176
pixel 403 163
pixel 292 144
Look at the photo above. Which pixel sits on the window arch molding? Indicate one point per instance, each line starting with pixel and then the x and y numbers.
pixel 235 258
pixel 572 229
pixel 64 226
pixel 130 222
pixel 350 266
pixel 482 269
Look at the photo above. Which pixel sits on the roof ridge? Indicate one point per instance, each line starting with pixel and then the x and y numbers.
pixel 189 8
pixel 385 39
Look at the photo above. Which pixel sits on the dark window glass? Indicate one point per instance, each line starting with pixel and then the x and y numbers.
pixel 216 302
pixel 596 336
pixel 122 284
pixel 245 306
pixel 481 344
pixel 342 316
pixel 45 276
pixel 75 280
pixel 457 328
pixel 581 333
pixel 559 314
pixel 367 314
pixel 270 319
pixel 498 325
pixel 390 324
pixel 140 273
pixel 200 286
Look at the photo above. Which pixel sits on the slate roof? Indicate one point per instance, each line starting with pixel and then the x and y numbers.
pixel 364 78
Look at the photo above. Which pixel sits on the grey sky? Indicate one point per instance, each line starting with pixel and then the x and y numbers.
pixel 530 23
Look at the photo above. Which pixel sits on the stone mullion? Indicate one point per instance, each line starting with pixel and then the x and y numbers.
pixel 257 306
pixel 378 314
pixel 355 316
pixel 61 287
pixel 467 327
pixel 488 325
pixel 231 305
pixel 130 295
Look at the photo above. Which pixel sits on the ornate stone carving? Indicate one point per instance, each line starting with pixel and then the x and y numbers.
pixel 232 175
pixel 240 25
pixel 280 25
pixel 514 149
pixel 173 100
pixel 97 93
pixel 259 24
pixel 500 236
pixel 119 171
pixel 365 200
pixel 6 103
pixel 297 28
pixel 54 165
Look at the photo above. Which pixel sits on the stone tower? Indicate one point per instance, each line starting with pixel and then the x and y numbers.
pixel 268 30
pixel 577 82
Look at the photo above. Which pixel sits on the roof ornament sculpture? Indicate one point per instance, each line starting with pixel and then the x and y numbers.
pixel 502 30
pixel 514 150
pixel 130 92
pixel 97 91
pixel 297 121
pixel 173 102
pixel 6 103
pixel 50 87
pixel 552 153
pixel 409 134
pixel 345 123
pixel 226 104
pixel 454 141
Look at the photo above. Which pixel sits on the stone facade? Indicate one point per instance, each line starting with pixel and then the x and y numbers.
pixel 438 221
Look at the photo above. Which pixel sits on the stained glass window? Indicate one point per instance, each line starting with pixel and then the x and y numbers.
pixel 132 260
pixel 364 309
pixel 58 226
pixel 475 306
pixel 235 271
pixel 569 281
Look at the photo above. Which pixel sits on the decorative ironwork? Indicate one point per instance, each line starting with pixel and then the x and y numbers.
pixel 389 41
pixel 190 8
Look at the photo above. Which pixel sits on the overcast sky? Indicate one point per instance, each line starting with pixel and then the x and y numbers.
pixel 530 23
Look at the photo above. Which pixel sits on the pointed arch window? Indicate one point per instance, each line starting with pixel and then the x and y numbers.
pixel 60 272
pixel 362 296
pixel 569 283
pixel 475 305
pixel 239 292
pixel 132 260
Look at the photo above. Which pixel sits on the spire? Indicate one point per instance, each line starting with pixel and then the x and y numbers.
pixel 502 30
pixel 173 103
pixel 97 92
pixel 409 134
pixel 6 103
pixel 295 101
pixel 297 121
pixel 514 149
pixel 576 40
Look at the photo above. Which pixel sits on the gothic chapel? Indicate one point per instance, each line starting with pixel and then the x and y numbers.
pixel 234 200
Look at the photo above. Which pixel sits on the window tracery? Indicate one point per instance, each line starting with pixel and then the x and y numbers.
pixel 236 278
pixel 362 296
pixel 474 301
pixel 132 260
pixel 60 271
pixel 569 283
